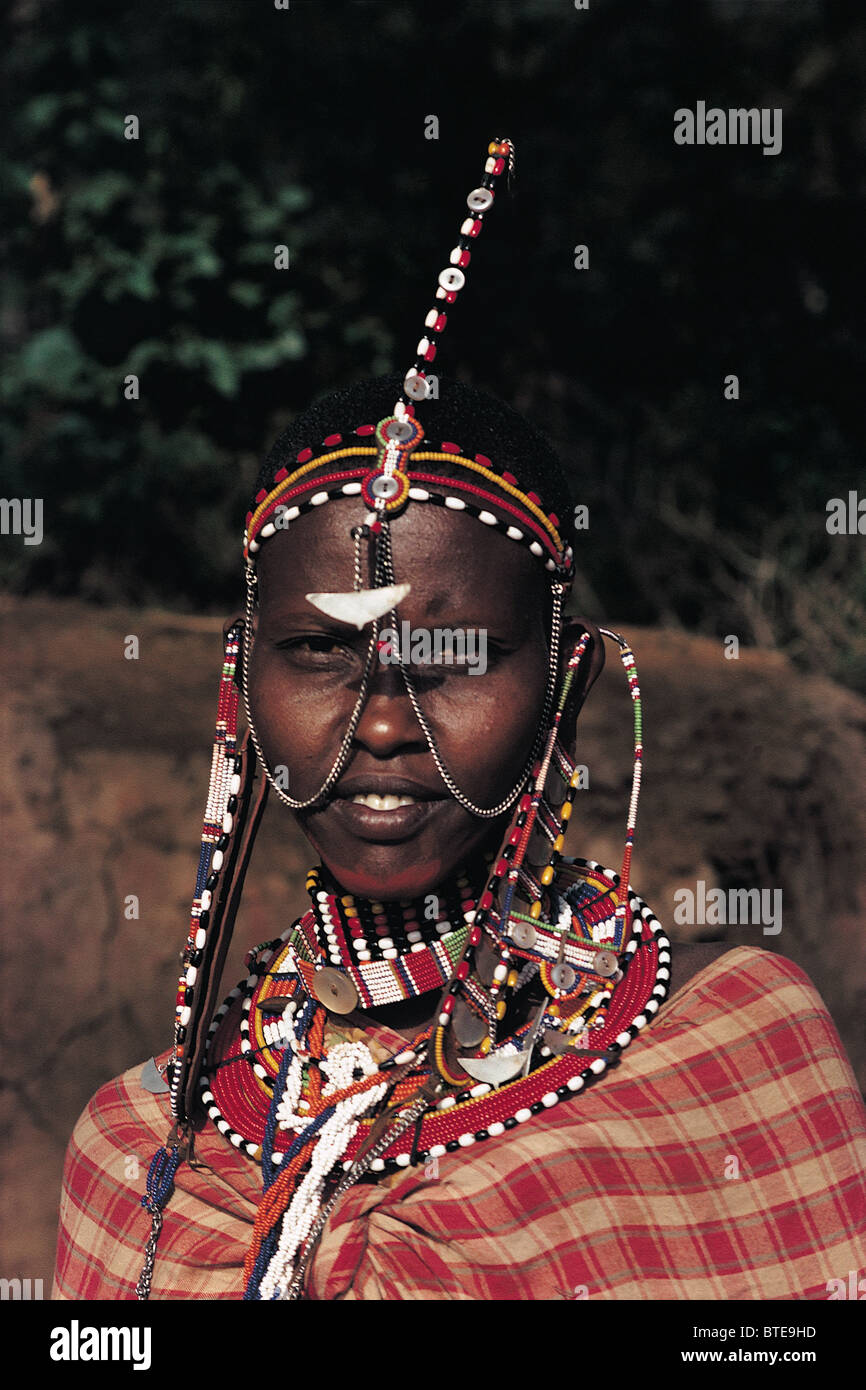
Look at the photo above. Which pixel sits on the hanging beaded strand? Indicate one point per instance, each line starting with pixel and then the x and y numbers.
pixel 508 864
pixel 628 661
pixel 216 830
pixel 500 156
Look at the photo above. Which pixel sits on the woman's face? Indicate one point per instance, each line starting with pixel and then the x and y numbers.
pixel 305 675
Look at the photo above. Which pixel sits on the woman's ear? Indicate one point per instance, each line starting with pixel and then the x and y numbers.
pixel 591 663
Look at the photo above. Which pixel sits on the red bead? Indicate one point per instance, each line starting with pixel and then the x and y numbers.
pixel 375 527
pixel 448 448
pixel 365 429
pixel 304 455
pixel 501 868
pixel 498 166
pixel 509 478
pixel 260 496
pixel 440 323
pixel 476 227
pixel 464 258
pixel 448 1005
pixel 534 497
pixel 486 900
pixel 280 474
pixel 483 460
pixel 552 517
pixel 430 353
pixel 331 440
pixel 463 970
pixel 525 803
pixel 450 297
pixel 514 837
pixel 249 519
pixel 474 936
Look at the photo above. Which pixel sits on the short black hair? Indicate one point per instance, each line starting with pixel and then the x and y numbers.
pixel 461 414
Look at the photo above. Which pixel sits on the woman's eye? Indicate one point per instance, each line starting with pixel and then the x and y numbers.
pixel 316 649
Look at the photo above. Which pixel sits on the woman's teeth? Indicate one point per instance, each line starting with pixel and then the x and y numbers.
pixel 383 803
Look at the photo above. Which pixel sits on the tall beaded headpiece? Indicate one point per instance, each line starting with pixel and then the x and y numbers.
pixel 388 466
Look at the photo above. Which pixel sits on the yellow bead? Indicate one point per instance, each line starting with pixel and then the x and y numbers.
pixel 493 148
pixel 565 811
pixel 547 875
pixel 575 779
pixel 348 900
pixel 512 979
pixel 558 843
pixel 554 1010
pixel 500 1009
pixel 485 1047
pixel 535 910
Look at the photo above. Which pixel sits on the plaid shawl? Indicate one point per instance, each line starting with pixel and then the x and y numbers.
pixel 725 1158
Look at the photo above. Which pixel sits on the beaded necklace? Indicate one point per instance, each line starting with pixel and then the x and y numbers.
pixel 275 1112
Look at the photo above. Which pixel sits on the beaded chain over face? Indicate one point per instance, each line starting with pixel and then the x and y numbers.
pixel 547 967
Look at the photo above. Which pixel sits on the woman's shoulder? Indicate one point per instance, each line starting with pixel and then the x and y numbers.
pixel 714 961
pixel 122 1114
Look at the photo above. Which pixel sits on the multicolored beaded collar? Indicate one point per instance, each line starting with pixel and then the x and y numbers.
pixel 255 1025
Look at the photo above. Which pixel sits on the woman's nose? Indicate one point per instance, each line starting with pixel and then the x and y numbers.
pixel 388 722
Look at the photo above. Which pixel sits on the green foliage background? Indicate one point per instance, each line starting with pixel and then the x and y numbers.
pixel 305 127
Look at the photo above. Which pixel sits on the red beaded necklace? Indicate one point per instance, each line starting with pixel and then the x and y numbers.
pixel 250 1031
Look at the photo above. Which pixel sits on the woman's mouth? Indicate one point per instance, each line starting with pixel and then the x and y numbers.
pixel 384 814
pixel 389 802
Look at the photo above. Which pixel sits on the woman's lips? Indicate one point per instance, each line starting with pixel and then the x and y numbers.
pixel 384 817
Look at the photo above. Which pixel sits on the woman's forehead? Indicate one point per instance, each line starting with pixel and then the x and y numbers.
pixel 446 556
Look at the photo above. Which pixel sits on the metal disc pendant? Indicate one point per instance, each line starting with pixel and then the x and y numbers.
pixel 523 935
pixel 399 430
pixel 563 976
pixel 605 964
pixel 495 1068
pixel 384 486
pixel 335 990
pixel 152 1079
pixel 468 1028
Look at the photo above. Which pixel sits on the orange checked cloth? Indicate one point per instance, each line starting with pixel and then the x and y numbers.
pixel 725 1158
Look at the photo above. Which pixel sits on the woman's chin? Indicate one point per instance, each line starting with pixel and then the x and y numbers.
pixel 388 882
pixel 388 869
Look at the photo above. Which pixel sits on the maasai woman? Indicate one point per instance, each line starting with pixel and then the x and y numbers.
pixel 474 1068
